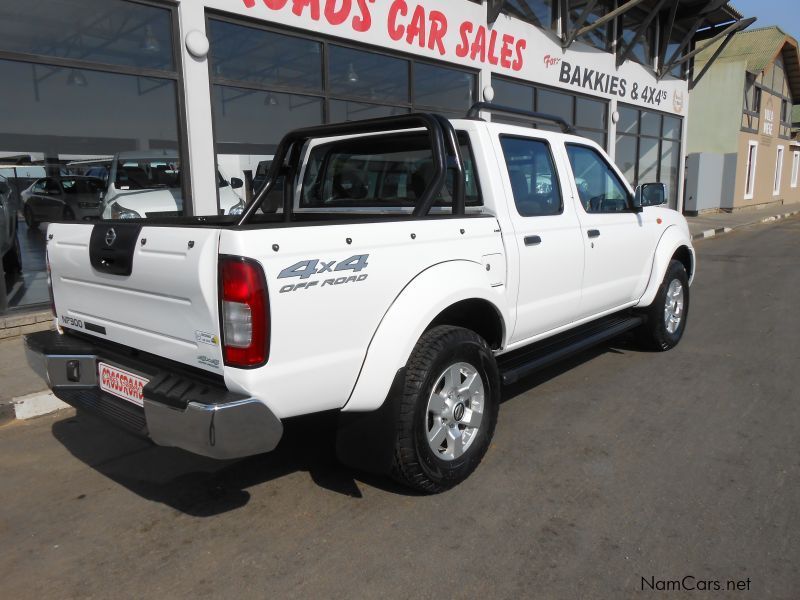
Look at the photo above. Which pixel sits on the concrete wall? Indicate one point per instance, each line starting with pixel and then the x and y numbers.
pixel 715 108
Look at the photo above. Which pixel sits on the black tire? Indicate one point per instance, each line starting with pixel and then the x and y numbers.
pixel 12 261
pixel 415 462
pixel 30 218
pixel 653 333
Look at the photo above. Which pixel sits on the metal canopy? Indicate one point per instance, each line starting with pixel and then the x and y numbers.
pixel 711 18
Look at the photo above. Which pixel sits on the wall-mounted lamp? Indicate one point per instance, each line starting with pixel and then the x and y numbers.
pixel 197 44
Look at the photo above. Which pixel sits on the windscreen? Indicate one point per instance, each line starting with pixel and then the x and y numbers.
pixel 380 172
pixel 148 174
pixel 82 186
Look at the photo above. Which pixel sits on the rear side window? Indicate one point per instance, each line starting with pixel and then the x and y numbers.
pixel 379 172
pixel 599 188
pixel 534 181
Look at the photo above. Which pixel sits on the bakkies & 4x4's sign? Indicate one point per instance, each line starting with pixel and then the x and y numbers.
pixel 414 25
pixel 598 81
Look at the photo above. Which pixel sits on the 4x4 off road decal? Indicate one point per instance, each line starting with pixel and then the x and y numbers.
pixel 306 268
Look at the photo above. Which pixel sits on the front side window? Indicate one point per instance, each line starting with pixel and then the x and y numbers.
pixel 533 176
pixel 599 188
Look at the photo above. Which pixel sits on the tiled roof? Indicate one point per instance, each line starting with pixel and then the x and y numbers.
pixel 759 47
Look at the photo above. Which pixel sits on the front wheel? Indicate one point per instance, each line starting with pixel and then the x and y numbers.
pixel 666 316
pixel 448 409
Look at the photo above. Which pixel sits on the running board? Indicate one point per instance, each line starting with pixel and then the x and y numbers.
pixel 520 363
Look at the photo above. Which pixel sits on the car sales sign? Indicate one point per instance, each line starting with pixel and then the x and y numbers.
pixel 457 31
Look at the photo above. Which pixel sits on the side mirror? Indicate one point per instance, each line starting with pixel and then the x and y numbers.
pixel 650 194
pixel 236 183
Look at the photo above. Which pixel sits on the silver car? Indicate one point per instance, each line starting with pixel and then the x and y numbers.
pixel 65 199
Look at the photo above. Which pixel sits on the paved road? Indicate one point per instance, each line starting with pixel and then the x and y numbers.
pixel 618 466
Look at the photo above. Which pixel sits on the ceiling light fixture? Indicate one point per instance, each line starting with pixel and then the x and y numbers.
pixel 270 100
pixel 76 79
pixel 150 42
pixel 352 76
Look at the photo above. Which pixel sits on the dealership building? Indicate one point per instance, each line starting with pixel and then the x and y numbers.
pixel 214 84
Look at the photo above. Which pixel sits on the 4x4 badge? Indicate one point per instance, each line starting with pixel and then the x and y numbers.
pixel 111 237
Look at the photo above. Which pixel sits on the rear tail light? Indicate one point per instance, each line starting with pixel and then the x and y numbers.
pixel 244 312
pixel 50 284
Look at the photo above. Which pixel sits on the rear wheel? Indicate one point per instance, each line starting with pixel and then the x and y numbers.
pixel 30 218
pixel 12 261
pixel 666 316
pixel 448 409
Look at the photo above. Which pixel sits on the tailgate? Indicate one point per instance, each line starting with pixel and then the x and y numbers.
pixel 150 288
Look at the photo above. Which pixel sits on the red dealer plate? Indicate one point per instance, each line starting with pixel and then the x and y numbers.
pixel 121 383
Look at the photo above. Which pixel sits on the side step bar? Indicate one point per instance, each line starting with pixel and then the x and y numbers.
pixel 520 363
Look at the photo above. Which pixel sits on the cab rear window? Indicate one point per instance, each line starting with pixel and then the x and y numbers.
pixel 380 172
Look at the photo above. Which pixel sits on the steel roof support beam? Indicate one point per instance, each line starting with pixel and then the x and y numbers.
pixel 621 56
pixel 664 68
pixel 711 7
pixel 729 30
pixel 735 28
pixel 666 33
pixel 570 36
pixel 493 9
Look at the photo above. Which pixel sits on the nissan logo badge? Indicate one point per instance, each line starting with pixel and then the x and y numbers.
pixel 111 237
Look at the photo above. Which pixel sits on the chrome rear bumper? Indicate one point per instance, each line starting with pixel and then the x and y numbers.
pixel 179 410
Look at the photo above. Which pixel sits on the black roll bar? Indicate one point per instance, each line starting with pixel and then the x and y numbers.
pixel 444 146
pixel 472 113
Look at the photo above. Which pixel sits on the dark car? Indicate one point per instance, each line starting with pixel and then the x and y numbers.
pixel 66 199
pixel 9 242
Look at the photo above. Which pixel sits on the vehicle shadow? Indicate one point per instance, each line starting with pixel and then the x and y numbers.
pixel 203 487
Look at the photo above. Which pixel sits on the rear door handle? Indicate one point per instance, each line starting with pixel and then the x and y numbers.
pixel 593 233
pixel 532 240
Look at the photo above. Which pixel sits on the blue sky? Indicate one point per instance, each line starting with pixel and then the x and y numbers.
pixel 784 13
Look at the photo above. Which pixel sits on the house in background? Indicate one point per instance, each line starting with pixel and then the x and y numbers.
pixel 741 150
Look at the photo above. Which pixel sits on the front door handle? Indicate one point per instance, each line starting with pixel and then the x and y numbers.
pixel 593 233
pixel 532 240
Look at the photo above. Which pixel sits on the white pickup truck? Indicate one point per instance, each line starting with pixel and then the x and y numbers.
pixel 397 270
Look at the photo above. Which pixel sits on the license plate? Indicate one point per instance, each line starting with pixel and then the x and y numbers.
pixel 121 383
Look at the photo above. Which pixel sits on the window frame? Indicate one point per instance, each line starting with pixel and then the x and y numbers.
pixel 556 172
pixel 324 94
pixel 780 153
pixel 750 170
pixel 535 87
pixel 613 168
pixel 176 75
pixel 795 168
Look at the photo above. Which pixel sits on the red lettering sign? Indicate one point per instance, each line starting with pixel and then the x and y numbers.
pixel 414 25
